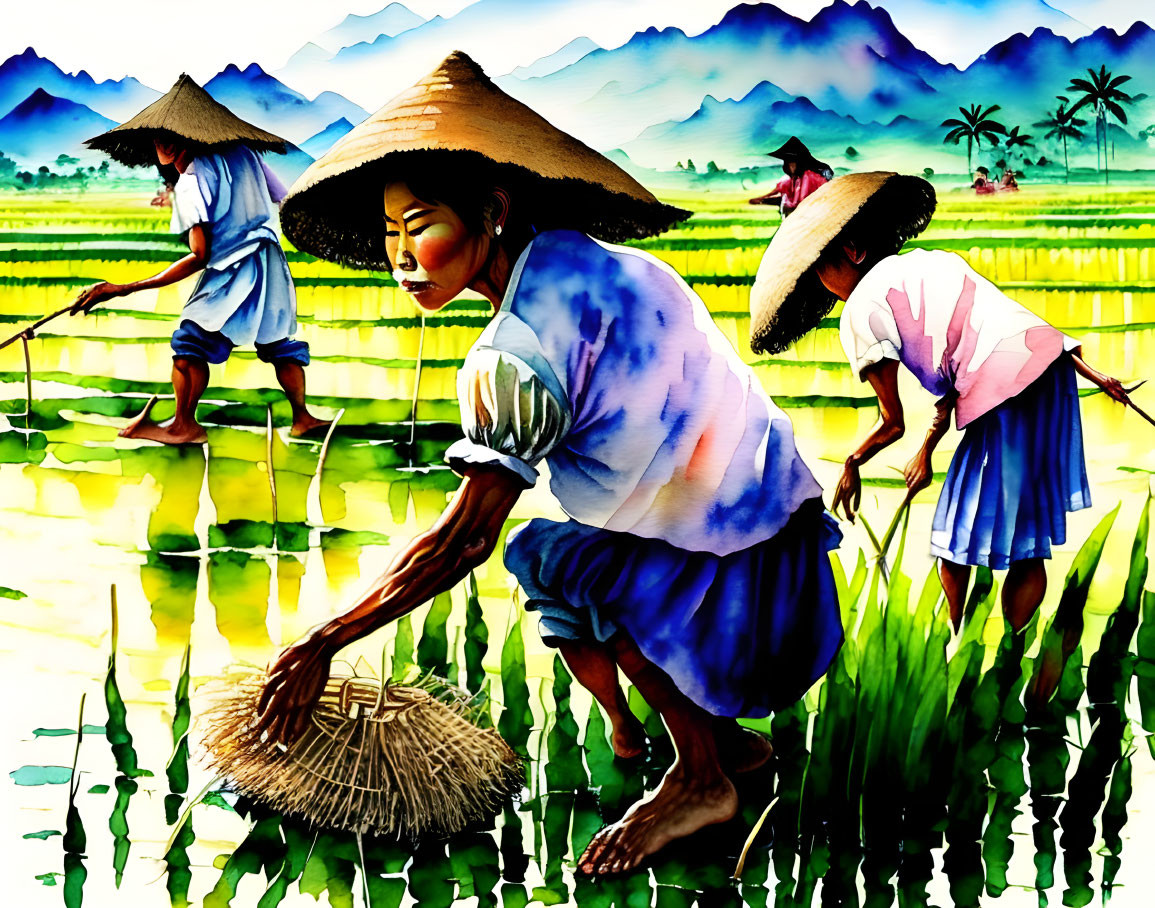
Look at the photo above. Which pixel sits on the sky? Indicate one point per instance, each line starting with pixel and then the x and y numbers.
pixel 156 41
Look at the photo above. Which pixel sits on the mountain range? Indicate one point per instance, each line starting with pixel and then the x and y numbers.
pixel 848 81
pixel 43 126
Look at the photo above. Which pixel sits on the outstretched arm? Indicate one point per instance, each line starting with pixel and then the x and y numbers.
pixel 1112 387
pixel 199 249
pixel 883 378
pixel 462 539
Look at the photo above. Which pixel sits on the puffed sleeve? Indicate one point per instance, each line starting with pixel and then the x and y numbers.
pixel 868 331
pixel 514 409
pixel 192 197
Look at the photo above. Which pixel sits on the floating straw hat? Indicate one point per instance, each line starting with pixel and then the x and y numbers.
pixel 458 115
pixel 403 761
pixel 187 112
pixel 788 299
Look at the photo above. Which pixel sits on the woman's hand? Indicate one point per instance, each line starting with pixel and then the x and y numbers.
pixel 919 473
pixel 1113 388
pixel 296 680
pixel 97 293
pixel 848 492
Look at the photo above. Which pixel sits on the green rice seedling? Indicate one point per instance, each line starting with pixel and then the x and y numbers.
pixel 516 718
pixel 75 841
pixel 176 858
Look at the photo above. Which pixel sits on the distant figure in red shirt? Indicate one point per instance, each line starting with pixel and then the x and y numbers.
pixel 982 184
pixel 804 174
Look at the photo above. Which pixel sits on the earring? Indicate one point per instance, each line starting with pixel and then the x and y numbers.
pixel 497 230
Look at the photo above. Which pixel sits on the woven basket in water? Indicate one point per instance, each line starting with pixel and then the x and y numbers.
pixel 404 761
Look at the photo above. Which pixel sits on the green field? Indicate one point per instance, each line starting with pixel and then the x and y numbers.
pixel 913 774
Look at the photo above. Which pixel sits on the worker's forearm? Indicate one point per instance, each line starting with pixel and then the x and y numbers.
pixel 939 426
pixel 178 271
pixel 883 436
pixel 423 570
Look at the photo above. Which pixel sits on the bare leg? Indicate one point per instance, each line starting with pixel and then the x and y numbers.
pixel 694 793
pixel 955 578
pixel 1023 591
pixel 190 377
pixel 595 669
pixel 292 379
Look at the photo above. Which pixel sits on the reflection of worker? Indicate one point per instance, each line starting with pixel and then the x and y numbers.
pixel 804 174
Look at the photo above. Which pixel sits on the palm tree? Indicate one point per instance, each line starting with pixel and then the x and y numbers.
pixel 976 124
pixel 1015 139
pixel 1102 93
pixel 1063 124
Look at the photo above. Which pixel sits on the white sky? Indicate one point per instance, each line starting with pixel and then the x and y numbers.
pixel 156 40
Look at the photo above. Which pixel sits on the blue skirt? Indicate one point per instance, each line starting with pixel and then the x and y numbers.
pixel 1017 472
pixel 741 634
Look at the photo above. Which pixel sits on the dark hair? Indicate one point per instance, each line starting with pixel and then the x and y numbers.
pixel 898 211
pixel 471 196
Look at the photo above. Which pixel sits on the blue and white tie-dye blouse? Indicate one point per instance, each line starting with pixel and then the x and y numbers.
pixel 604 363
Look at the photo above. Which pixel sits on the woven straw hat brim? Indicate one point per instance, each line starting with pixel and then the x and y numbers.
pixel 788 300
pixel 186 112
pixel 457 118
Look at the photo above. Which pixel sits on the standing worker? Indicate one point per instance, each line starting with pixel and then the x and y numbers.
pixel 804 174
pixel 225 203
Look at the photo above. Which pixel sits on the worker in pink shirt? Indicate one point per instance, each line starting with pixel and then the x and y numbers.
pixel 804 174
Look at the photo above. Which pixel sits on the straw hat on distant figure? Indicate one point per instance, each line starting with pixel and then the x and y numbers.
pixel 804 174
pixel 1008 376
pixel 224 202
pixel 697 556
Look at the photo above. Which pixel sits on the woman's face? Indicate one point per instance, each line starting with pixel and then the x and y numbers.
pixel 434 255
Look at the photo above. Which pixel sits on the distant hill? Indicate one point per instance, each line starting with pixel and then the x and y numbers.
pixel 22 74
pixel 392 21
pixel 571 53
pixel 317 145
pixel 42 126
pixel 264 101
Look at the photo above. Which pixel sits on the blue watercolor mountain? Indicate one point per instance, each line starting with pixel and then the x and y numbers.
pixel 566 56
pixel 22 74
pixel 42 126
pixel 391 21
pixel 848 58
pixel 317 145
pixel 264 101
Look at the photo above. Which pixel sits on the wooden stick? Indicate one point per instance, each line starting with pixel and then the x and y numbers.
pixel 1140 411
pixel 27 383
pixel 30 331
pixel 269 465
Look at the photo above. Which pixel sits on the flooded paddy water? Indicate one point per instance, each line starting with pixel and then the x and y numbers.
pixel 912 775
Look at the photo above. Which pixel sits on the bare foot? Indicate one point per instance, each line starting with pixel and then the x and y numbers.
pixel 629 738
pixel 679 807
pixel 169 434
pixel 142 418
pixel 308 424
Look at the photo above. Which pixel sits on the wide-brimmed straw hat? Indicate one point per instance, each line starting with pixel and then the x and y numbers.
pixel 794 149
pixel 457 119
pixel 186 112
pixel 788 299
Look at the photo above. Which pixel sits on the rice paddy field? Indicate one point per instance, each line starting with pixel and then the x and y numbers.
pixel 926 769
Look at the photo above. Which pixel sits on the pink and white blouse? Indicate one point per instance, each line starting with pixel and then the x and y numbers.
pixel 950 326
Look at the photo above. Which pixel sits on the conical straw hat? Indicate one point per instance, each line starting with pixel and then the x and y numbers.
pixel 187 112
pixel 405 761
pixel 788 299
pixel 458 115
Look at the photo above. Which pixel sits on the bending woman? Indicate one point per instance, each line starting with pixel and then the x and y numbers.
pixel 1007 375
pixel 696 556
